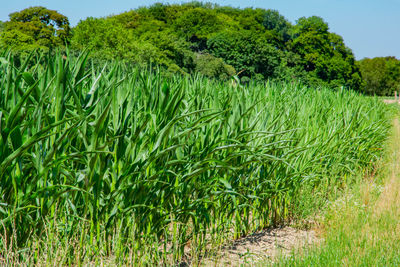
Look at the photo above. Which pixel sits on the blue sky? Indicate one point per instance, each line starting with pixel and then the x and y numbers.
pixel 370 28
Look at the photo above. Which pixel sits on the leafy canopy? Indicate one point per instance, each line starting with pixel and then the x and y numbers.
pixel 35 27
pixel 217 41
pixel 381 75
pixel 323 54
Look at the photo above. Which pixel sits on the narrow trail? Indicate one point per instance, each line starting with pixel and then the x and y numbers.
pixel 262 246
pixel 378 239
pixel 389 200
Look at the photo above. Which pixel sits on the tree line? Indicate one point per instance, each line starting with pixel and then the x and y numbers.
pixel 216 41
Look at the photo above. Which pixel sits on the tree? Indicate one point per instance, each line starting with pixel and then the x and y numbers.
pixel 109 39
pixel 381 75
pixel 35 27
pixel 259 44
pixel 324 55
pixel 248 52
pixel 213 67
pixel 277 23
pixel 310 41
pixel 134 37
pixel 171 49
pixel 199 24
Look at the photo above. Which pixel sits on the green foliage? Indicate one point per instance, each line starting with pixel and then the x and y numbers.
pixel 274 21
pixel 247 52
pixel 324 55
pixel 119 153
pixel 381 75
pixel 35 27
pixel 121 37
pixel 212 67
pixel 260 44
pixel 199 22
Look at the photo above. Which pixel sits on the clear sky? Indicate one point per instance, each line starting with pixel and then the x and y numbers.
pixel 370 28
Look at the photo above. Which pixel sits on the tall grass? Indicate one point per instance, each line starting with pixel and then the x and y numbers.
pixel 120 159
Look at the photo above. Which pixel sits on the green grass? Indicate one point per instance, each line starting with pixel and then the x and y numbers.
pixel 127 166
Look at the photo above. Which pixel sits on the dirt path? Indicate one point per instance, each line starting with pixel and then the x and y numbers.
pixel 389 200
pixel 391 101
pixel 262 246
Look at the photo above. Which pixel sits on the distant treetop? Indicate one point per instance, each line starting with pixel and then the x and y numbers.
pixel 35 27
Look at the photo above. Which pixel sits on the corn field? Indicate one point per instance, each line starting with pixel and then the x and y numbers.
pixel 121 158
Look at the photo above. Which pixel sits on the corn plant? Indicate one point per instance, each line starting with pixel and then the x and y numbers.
pixel 168 161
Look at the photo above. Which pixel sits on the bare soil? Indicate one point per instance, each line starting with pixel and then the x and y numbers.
pixel 390 101
pixel 261 246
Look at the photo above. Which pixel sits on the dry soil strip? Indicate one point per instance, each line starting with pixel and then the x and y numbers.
pixel 262 246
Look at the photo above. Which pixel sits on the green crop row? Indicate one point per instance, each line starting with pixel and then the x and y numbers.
pixel 174 161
